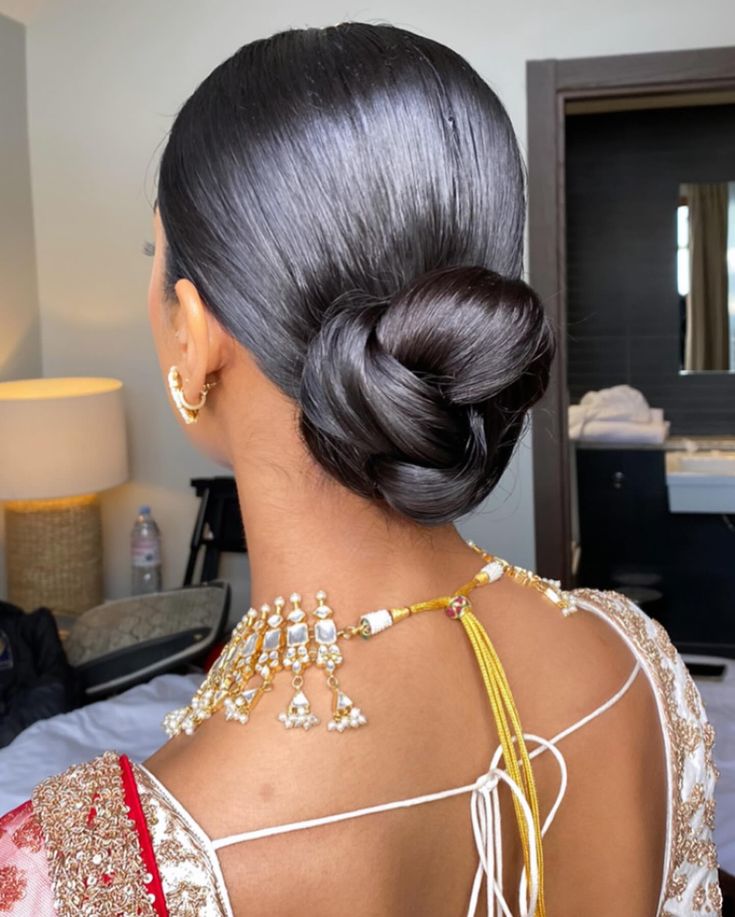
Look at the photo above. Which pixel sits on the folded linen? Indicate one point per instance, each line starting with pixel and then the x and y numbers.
pixel 619 431
pixel 617 414
pixel 621 402
pixel 576 420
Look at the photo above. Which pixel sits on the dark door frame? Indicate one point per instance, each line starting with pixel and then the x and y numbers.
pixel 550 85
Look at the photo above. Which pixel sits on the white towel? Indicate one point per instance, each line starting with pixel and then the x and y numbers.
pixel 576 421
pixel 594 418
pixel 621 402
pixel 618 414
pixel 620 431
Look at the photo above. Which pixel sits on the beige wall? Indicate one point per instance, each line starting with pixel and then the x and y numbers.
pixel 105 79
pixel 20 341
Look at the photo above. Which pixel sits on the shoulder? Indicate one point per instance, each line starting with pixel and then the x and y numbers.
pixel 691 870
pixel 657 735
pixel 114 840
pixel 680 706
pixel 85 796
pixel 581 659
pixel 678 697
pixel 96 837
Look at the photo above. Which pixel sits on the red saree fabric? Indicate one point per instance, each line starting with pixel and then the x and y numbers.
pixel 25 887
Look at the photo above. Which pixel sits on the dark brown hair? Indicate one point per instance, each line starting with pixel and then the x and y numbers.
pixel 349 202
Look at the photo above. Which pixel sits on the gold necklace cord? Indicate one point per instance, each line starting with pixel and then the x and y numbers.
pixel 441 602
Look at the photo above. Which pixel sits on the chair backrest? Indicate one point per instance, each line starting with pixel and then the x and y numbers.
pixel 218 528
pixel 127 641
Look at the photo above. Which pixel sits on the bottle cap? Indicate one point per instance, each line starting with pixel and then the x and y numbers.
pixel 144 510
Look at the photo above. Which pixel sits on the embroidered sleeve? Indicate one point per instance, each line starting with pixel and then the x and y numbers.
pixel 192 882
pixel 690 887
pixel 99 856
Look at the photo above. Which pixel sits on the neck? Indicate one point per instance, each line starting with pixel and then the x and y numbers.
pixel 305 532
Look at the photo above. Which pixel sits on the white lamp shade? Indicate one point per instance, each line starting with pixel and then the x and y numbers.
pixel 61 438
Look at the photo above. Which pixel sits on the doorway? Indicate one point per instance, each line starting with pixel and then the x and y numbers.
pixel 556 91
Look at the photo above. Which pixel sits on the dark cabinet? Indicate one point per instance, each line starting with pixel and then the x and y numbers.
pixel 623 508
pixel 679 566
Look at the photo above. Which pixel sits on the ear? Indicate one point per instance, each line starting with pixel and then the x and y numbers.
pixel 202 342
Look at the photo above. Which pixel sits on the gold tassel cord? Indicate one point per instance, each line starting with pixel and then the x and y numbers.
pixel 505 713
pixel 512 742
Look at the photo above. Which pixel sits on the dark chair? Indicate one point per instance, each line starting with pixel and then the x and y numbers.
pixel 218 527
pixel 127 641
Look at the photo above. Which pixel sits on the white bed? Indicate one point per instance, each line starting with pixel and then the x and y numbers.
pixel 131 723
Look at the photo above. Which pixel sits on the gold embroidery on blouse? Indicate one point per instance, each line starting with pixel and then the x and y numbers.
pixel 171 851
pixel 94 856
pixel 690 839
pixel 709 746
pixel 663 640
pixel 187 899
pixel 694 701
pixel 709 814
pixel 693 803
pixel 190 884
pixel 677 887
pixel 714 896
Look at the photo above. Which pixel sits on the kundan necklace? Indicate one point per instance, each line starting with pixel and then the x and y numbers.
pixel 274 639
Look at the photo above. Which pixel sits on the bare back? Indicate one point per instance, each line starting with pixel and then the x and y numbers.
pixel 431 729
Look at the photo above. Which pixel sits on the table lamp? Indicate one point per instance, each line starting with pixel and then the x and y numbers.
pixel 61 442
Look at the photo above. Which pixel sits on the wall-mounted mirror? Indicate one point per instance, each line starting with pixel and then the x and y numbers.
pixel 706 276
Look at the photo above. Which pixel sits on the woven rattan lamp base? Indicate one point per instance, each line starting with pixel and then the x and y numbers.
pixel 54 553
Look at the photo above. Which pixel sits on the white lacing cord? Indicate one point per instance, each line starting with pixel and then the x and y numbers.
pixel 342 816
pixel 485 810
pixel 487 830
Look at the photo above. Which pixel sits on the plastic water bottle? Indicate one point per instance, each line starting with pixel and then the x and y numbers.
pixel 145 550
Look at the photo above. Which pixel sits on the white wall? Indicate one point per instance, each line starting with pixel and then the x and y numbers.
pixel 21 10
pixel 105 79
pixel 20 342
pixel 20 339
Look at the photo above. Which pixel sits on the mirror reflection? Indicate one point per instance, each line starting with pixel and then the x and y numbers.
pixel 706 276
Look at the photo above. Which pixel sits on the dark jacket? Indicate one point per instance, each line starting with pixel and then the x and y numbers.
pixel 36 680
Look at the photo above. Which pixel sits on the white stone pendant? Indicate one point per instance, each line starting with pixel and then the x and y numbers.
pixel 238 708
pixel 178 721
pixel 299 713
pixel 344 713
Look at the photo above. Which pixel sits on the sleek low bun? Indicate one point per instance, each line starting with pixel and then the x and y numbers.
pixel 420 400
pixel 356 169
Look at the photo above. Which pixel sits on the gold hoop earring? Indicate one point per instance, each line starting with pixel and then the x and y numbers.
pixel 189 412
